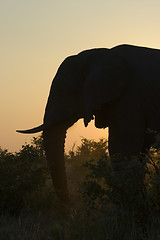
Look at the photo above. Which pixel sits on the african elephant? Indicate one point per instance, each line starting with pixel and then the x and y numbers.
pixel 119 87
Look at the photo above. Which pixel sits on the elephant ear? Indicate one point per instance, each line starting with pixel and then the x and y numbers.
pixel 105 82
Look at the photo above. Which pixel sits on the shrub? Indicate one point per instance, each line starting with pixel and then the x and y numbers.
pixel 20 174
pixel 135 187
pixel 89 149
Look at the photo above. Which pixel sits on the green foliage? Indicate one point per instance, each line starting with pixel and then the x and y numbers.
pixel 119 186
pixel 89 149
pixel 131 185
pixel 121 204
pixel 21 174
pixel 76 173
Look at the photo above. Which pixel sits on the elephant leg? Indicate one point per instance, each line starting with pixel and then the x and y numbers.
pixel 127 137
pixel 126 141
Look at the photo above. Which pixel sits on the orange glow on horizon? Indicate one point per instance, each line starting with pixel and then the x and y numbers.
pixel 35 39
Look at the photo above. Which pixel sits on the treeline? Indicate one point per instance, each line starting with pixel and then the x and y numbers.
pixel 108 200
pixel 24 175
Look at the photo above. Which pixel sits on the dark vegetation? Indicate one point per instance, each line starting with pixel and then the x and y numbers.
pixel 105 205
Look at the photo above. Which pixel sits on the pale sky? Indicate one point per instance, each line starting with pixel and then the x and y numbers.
pixel 37 35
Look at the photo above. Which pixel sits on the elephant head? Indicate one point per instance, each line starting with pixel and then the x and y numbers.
pixel 83 84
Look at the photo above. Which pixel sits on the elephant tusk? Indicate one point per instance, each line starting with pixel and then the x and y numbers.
pixel 33 130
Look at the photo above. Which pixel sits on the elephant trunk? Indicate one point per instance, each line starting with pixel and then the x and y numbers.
pixel 54 140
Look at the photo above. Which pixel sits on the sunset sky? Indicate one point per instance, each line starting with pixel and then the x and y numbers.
pixel 37 35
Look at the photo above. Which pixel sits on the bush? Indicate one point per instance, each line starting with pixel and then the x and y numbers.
pixel 21 174
pixel 134 188
pixel 118 205
pixel 76 172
